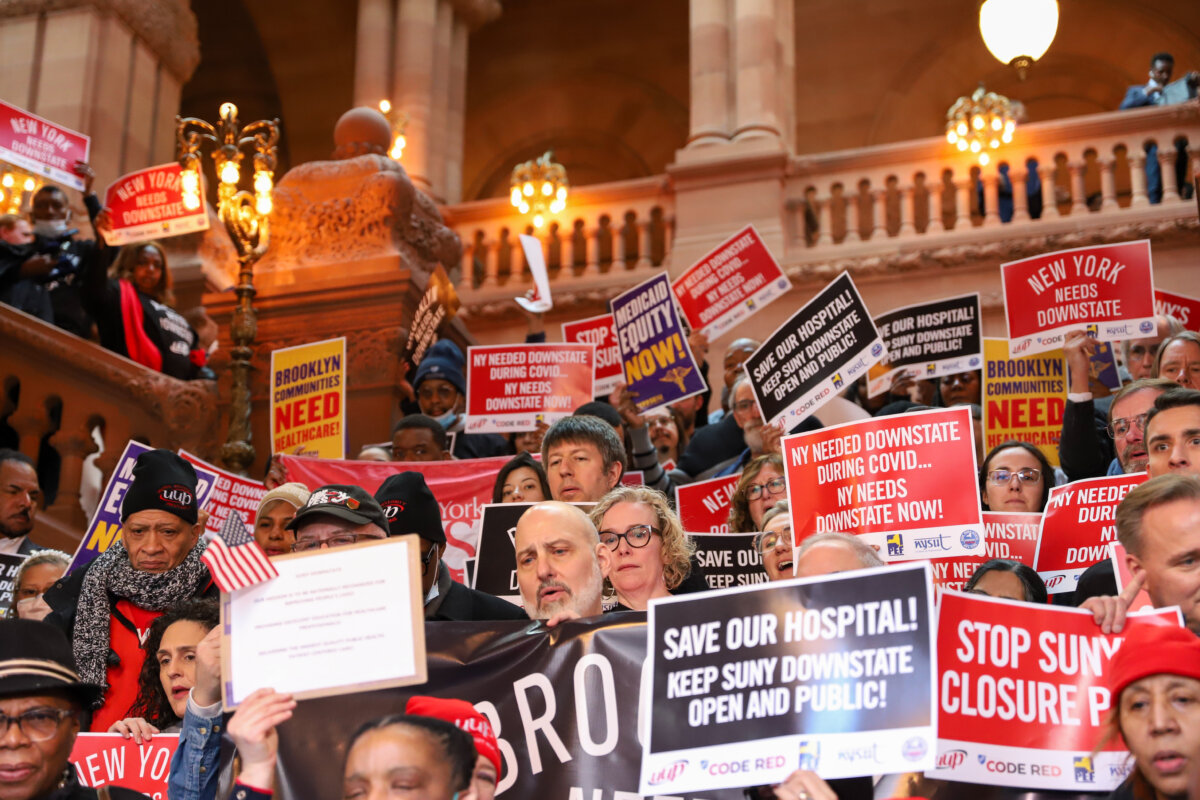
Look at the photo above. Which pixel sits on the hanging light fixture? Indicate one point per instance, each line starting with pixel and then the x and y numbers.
pixel 1018 32
pixel 17 188
pixel 539 188
pixel 981 123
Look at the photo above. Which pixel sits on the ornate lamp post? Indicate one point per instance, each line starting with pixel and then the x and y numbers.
pixel 245 215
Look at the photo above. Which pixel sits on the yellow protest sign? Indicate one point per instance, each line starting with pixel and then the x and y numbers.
pixel 1023 398
pixel 308 393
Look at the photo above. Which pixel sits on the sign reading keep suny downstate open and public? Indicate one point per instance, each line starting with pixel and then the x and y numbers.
pixel 832 674
pixel 511 387
pixel 929 340
pixel 1107 290
pixel 41 146
pixel 148 204
pixel 308 394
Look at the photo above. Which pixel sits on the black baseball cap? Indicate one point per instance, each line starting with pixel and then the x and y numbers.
pixel 351 503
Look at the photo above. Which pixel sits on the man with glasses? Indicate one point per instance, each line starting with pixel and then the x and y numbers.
pixel 758 437
pixel 1173 433
pixel 337 515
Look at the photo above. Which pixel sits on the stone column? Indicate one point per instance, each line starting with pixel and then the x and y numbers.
pixel 1137 180
pixel 708 23
pixel 1050 191
pixel 456 111
pixel 1078 188
pixel 373 53
pixel 906 210
pixel 880 230
pixel 825 221
pixel 757 62
pixel 1020 196
pixel 1166 162
pixel 853 217
pixel 991 201
pixel 412 85
pixel 1108 185
pixel 74 443
pixel 966 188
pixel 936 207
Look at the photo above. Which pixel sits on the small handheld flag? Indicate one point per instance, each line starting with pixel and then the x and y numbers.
pixel 235 559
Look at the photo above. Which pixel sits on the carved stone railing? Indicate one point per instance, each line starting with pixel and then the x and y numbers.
pixel 62 387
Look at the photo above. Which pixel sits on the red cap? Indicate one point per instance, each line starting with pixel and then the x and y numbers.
pixel 464 716
pixel 1152 648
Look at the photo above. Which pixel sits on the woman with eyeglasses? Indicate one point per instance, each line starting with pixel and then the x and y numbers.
pixel 762 485
pixel 645 552
pixel 775 544
pixel 1015 477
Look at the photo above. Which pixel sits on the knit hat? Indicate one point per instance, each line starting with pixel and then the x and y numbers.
pixel 35 658
pixel 1153 649
pixel 410 507
pixel 294 494
pixel 162 481
pixel 465 717
pixel 351 503
pixel 444 360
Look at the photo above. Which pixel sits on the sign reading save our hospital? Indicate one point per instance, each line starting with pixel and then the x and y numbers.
pixel 148 204
pixel 308 392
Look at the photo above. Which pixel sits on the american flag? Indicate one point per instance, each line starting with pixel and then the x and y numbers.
pixel 235 559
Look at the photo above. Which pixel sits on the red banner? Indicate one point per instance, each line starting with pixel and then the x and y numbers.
pixel 148 204
pixel 730 284
pixel 229 492
pixel 600 332
pixel 1107 290
pixel 1023 694
pixel 1012 536
pixel 513 387
pixel 1181 307
pixel 704 505
pixel 41 146
pixel 1079 523
pixel 906 480
pixel 109 759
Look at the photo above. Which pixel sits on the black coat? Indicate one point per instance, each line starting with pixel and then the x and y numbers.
pixel 72 789
pixel 464 604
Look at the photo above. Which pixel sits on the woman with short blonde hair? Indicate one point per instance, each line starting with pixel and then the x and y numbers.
pixel 645 552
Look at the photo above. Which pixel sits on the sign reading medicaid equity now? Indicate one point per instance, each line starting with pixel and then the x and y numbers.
pixel 148 204
pixel 728 559
pixel 1023 694
pixel 825 345
pixel 512 387
pixel 41 146
pixel 230 493
pixel 1079 523
pixel 1107 290
pixel 704 505
pixel 751 683
pixel 730 284
pixel 1023 398
pixel 1006 535
pixel 908 479
pixel 600 332
pixel 1181 307
pixel 109 759
pixel 308 398
pixel 929 340
pixel 655 356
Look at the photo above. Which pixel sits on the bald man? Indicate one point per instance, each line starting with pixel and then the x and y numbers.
pixel 829 553
pixel 558 563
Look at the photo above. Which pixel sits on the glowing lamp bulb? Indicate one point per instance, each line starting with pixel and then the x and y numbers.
pixel 262 182
pixel 951 137
pixel 228 111
pixel 1010 126
pixel 515 197
pixel 562 193
pixel 547 188
pixel 1 195
pixel 385 106
pixel 229 172
pixel 976 146
pixel 961 128
pixel 30 185
pixel 557 206
pixel 262 204
pixel 524 208
pixel 977 122
pixel 1006 137
pixel 538 221
pixel 984 159
pixel 527 189
pixel 994 143
pixel 189 181
pixel 397 147
pixel 997 123
pixel 962 145
pixel 7 181
pixel 191 201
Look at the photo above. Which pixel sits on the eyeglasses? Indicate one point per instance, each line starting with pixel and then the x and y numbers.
pixel 773 486
pixel 39 724
pixel 337 540
pixel 1121 427
pixel 742 406
pixel 635 535
pixel 1002 477
pixel 770 540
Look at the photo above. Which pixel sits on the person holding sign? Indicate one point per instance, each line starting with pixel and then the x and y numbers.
pixel 1015 477
pixel 441 388
pixel 1158 524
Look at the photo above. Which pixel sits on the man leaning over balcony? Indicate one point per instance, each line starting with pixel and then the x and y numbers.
pixel 1155 92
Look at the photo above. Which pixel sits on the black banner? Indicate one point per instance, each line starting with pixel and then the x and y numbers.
pixel 728 559
pixel 9 564
pixel 938 338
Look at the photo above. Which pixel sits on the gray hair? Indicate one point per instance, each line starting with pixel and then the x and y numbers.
pixel 866 554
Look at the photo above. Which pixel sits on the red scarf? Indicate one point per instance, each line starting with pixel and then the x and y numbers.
pixel 137 343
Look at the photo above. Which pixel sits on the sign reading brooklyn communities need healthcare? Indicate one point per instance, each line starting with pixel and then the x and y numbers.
pixel 832 674
pixel 308 394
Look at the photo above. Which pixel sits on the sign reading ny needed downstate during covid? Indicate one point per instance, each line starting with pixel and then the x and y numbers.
pixel 730 284
pixel 1006 535
pixel 1023 398
pixel 905 481
pixel 1107 290
pixel 41 146
pixel 308 394
pixel 599 331
pixel 750 683
pixel 512 387
pixel 230 494
pixel 148 204
pixel 929 340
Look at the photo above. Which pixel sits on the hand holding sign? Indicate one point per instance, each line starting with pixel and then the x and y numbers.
pixel 1109 612
pixel 252 729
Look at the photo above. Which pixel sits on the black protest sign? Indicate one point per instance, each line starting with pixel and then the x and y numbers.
pixel 495 553
pixel 824 346
pixel 930 340
pixel 728 559
pixel 439 304
pixel 10 564
pixel 799 674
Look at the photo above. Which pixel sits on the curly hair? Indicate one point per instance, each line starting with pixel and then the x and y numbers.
pixel 152 703
pixel 127 259
pixel 739 505
pixel 677 548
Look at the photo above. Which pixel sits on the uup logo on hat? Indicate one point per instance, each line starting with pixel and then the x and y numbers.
pixel 175 495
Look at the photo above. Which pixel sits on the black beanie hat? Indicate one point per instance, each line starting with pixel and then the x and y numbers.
pixel 411 507
pixel 161 481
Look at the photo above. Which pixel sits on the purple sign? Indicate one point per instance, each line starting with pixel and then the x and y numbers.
pixel 655 358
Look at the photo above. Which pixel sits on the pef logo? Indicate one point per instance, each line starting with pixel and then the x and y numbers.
pixel 837 380
pixel 1093 331
pixel 914 749
pixel 876 349
pixel 895 544
pixel 669 773
pixel 1084 769
pixel 1145 326
pixel 969 539
pixel 810 754
pixel 952 759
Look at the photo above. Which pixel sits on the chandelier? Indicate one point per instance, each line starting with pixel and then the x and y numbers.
pixel 17 188
pixel 539 188
pixel 980 123
pixel 1018 32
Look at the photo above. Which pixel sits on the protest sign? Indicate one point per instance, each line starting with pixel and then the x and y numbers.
pixel 513 387
pixel 929 340
pixel 308 398
pixel 1123 576
pixel 1023 398
pixel 1103 377
pixel 496 552
pixel 633 477
pixel 10 564
pixel 109 759
pixel 540 301
pixel 828 343
pixel 331 622
pixel 760 681
pixel 730 284
pixel 439 304
pixel 1023 694
pixel 1107 290
pixel 230 493
pixel 1181 307
pixel 1006 535
pixel 728 559
pixel 600 332
pixel 704 505
pixel 907 478
pixel 1079 523
pixel 148 204
pixel 656 359
pixel 41 146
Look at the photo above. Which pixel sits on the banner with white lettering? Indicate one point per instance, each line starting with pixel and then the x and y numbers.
pixel 41 146
pixel 749 684
pixel 496 553
pixel 930 340
pixel 728 559
pixel 109 759
pixel 513 387
pixel 704 505
pixel 10 565
pixel 148 204
pixel 1006 535
pixel 599 331
pixel 1180 306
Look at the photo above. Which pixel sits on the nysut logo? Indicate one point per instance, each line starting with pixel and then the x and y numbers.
pixel 895 543
pixel 969 539
pixel 1084 769
pixel 669 773
pixel 810 754
pixel 914 749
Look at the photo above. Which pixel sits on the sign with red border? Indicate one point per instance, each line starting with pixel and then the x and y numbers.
pixel 41 146
pixel 148 204
pixel 512 387
pixel 600 332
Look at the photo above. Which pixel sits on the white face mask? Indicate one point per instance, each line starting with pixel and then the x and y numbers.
pixel 34 608
pixel 50 228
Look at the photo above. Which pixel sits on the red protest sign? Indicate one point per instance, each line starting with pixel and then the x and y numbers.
pixel 727 286
pixel 1023 694
pixel 1181 307
pixel 41 146
pixel 230 493
pixel 512 387
pixel 1107 290
pixel 1012 536
pixel 1124 576
pixel 910 479
pixel 600 332
pixel 704 505
pixel 148 204
pixel 109 759
pixel 1080 521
